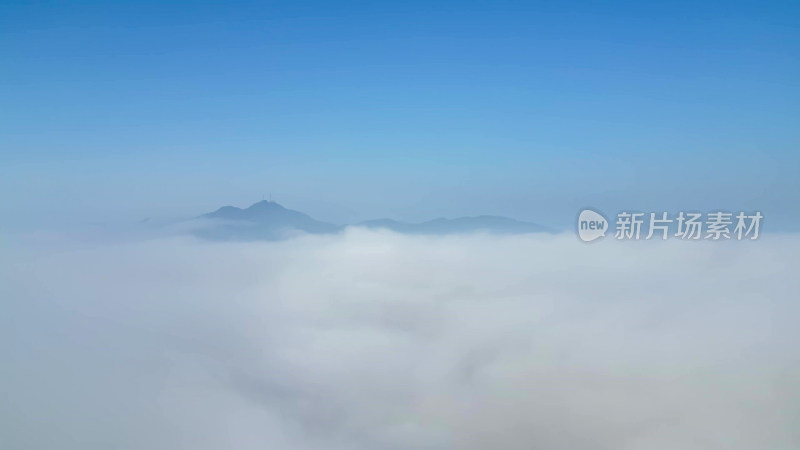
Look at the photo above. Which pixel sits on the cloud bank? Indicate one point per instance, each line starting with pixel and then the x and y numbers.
pixel 374 340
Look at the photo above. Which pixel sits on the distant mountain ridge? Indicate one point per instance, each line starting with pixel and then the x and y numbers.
pixel 268 220
pixel 491 224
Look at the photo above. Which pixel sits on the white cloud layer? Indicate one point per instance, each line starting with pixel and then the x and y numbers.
pixel 373 340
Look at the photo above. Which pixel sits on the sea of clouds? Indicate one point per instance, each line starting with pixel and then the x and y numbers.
pixel 372 340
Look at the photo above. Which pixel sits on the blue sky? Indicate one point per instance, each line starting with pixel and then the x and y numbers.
pixel 412 110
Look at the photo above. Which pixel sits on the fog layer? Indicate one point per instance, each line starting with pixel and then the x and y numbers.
pixel 373 340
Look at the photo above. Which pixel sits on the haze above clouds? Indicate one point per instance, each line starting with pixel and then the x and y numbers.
pixel 374 340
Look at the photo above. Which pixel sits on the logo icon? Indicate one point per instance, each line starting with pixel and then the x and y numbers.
pixel 591 225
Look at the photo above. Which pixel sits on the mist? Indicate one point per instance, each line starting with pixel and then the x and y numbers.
pixel 375 340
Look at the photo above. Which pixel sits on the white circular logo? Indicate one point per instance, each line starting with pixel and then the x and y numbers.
pixel 591 225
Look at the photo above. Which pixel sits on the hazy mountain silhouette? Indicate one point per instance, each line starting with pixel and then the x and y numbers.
pixel 267 220
pixel 490 224
pixel 262 220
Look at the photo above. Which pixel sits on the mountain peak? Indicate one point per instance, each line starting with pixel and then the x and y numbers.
pixel 265 204
pixel 262 220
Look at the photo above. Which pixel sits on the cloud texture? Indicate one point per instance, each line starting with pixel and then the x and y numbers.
pixel 372 340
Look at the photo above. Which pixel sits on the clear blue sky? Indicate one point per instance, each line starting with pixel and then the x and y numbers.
pixel 414 109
